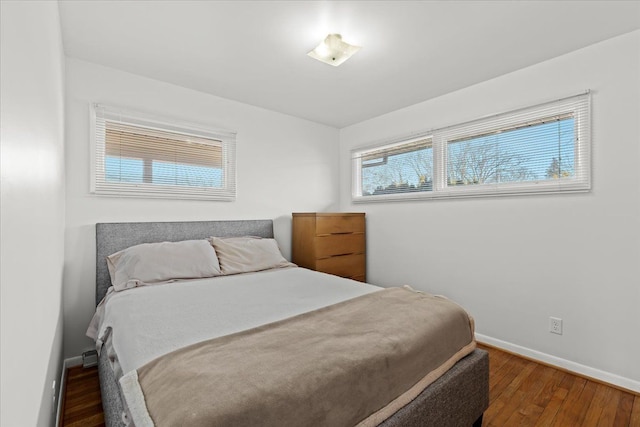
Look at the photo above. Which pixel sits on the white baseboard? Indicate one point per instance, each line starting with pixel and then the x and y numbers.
pixel 577 368
pixel 66 364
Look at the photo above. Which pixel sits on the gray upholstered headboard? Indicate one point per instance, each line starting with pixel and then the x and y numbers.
pixel 113 237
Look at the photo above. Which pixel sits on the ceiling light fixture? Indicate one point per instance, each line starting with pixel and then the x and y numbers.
pixel 333 50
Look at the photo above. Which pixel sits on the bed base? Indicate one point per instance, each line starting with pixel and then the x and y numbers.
pixel 458 398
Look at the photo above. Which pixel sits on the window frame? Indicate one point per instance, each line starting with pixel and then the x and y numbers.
pixel 100 186
pixel 578 106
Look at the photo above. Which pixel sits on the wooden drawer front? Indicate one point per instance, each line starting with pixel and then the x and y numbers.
pixel 339 244
pixel 339 224
pixel 345 265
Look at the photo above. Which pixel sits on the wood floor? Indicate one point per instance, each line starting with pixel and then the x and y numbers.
pixel 522 393
pixel 81 405
pixel 525 393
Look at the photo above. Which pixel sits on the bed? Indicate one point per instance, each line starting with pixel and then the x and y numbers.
pixel 458 397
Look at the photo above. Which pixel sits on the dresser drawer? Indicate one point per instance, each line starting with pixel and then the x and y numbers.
pixel 336 224
pixel 339 244
pixel 344 265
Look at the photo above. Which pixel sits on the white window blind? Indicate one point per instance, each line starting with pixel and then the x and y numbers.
pixel 539 149
pixel 137 155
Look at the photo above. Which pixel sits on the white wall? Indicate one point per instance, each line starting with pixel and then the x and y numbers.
pixel 515 261
pixel 284 165
pixel 32 211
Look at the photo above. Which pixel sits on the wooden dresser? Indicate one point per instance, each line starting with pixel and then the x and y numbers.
pixel 330 242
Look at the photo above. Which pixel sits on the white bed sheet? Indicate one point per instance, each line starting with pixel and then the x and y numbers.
pixel 146 322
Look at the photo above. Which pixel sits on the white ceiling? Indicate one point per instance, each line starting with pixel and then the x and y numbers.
pixel 255 51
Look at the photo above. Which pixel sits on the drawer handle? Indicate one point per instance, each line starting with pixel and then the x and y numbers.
pixel 337 233
pixel 344 254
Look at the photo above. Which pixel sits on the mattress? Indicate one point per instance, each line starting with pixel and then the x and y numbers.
pixel 141 324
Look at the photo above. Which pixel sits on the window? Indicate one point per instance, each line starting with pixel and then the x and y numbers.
pixel 534 150
pixel 399 168
pixel 136 155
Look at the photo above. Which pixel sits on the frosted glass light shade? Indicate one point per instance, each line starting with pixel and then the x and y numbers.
pixel 333 50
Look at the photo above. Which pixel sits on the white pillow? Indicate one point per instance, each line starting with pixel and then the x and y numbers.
pixel 247 254
pixel 161 262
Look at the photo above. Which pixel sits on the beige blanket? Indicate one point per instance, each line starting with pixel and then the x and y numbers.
pixel 356 362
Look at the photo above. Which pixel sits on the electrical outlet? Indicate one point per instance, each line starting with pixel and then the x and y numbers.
pixel 555 325
pixel 53 391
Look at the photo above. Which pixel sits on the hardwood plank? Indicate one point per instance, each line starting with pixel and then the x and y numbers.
pixel 580 409
pixel 544 397
pixel 498 359
pixel 499 418
pixel 597 405
pixel 82 405
pixel 508 375
pixel 502 381
pixel 553 406
pixel 498 374
pixel 82 389
pixel 571 409
pixel 529 408
pixel 515 411
pixel 635 413
pixel 541 400
pixel 610 408
pixel 85 413
pixel 623 414
pixel 96 420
